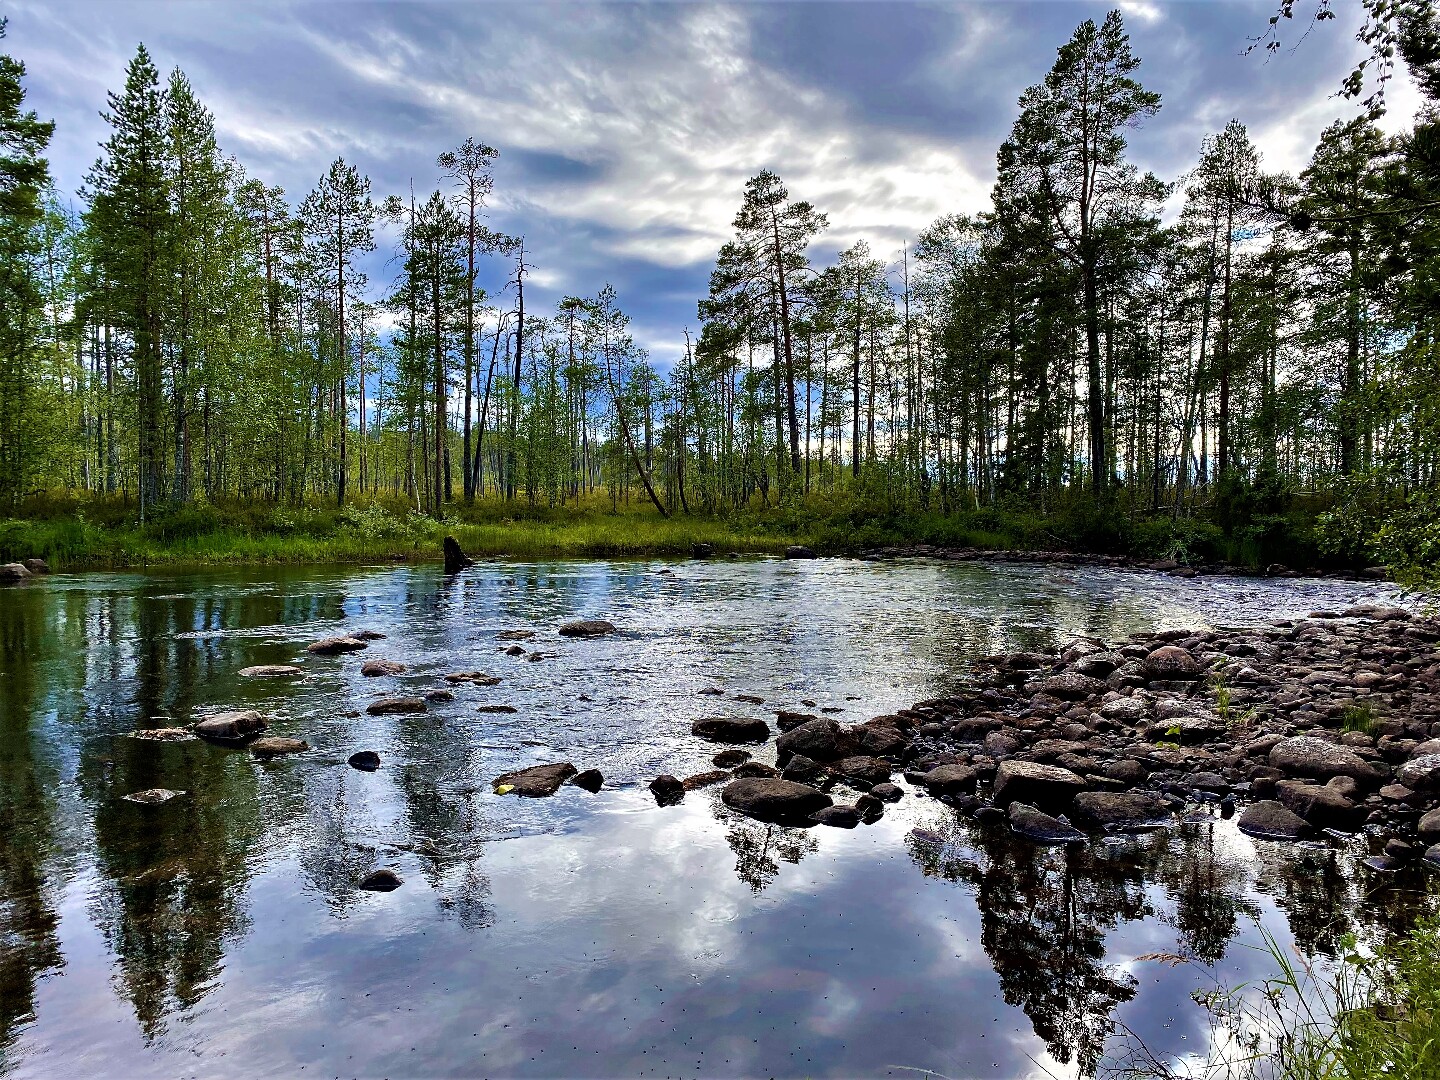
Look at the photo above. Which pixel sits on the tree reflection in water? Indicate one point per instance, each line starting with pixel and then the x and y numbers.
pixel 760 848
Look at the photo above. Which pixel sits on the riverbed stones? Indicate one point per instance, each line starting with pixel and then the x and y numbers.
pixel 538 781
pixel 709 778
pixel 335 646
pixel 271 671
pixel 396 706
pixel 1421 773
pixel 474 678
pixel 439 696
pixel 374 669
pixel 591 780
pixel 1121 810
pixel 1171 663
pixel 838 817
pixel 947 781
pixel 231 727
pixel 587 628
pixel 803 770
pixel 863 770
pixel 1067 686
pixel 728 759
pixel 731 729
pixel 1043 786
pixel 1033 824
pixel 1270 820
pixel 152 796
pixel 37 567
pixel 668 790
pixel 823 739
pixel 382 880
pixel 364 760
pixel 277 746
pixel 1308 756
pixel 799 551
pixel 1321 806
pixel 164 734
pixel 774 800
pixel 13 573
pixel 1187 729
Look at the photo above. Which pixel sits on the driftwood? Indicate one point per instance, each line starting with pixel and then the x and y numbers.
pixel 455 559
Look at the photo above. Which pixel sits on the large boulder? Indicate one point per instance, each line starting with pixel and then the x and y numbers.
pixel 383 880
pixel 334 646
pixel 1067 686
pixel 277 746
pixel 1121 809
pixel 1047 786
pixel 799 551
pixel 1171 663
pixel 1305 755
pixel 394 706
pixel 375 668
pixel 13 573
pixel 586 628
pixel 1040 827
pixel 866 771
pixel 1269 820
pixel 731 729
pixel 949 780
pixel 1323 807
pixel 231 727
pixel 824 740
pixel 1421 773
pixel 537 781
pixel 773 800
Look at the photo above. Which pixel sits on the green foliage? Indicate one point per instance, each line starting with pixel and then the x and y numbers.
pixel 1358 717
pixel 1409 540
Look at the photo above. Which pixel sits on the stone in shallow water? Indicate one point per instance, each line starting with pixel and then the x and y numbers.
pixel 538 781
pixel 276 746
pixel 585 628
pixel 271 671
pixel 731 729
pixel 839 817
pixel 374 669
pixel 728 759
pixel 1305 755
pixel 668 790
pixel 949 780
pixel 1269 820
pixel 1034 825
pixel 770 799
pixel 591 780
pixel 365 760
pixel 478 678
pixel 392 706
pixel 382 880
pixel 153 796
pixel 705 779
pixel 1029 782
pixel 231 727
pixel 164 734
pixel 515 635
pixel 496 708
pixel 1121 810
pixel 334 646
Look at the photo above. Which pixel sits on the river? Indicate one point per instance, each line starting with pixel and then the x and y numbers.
pixel 222 933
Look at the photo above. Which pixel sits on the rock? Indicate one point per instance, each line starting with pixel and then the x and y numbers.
pixel 271 671
pixel 1429 827
pixel 1068 686
pixel 799 551
pixel 713 691
pixel 1187 730
pixel 803 770
pixel 702 550
pixel 823 740
pixel 440 696
pixel 705 779
pixel 1323 807
pixel 1432 855
pixel 1039 785
pixel 368 635
pixel 1171 663
pixel 587 628
pixel 538 781
pixel 1421 773
pixel 1125 710
pixel 1121 809
pixel 1396 848
pixel 1030 823
pixel 13 573
pixel 868 771
pixel 773 800
pixel 1127 771
pixel 231 727
pixel 365 760
pixel 375 668
pixel 275 746
pixel 1269 820
pixel 392 706
pixel 668 790
pixel 475 678
pixel 887 792
pixel 36 567
pixel 950 780
pixel 728 759
pixel 383 880
pixel 515 650
pixel 455 559
pixel 731 729
pixel 1098 665
pixel 515 635
pixel 786 720
pixel 496 708
pixel 152 796
pixel 839 817
pixel 1305 755
pixel 164 734
pixel 591 780
pixel 754 768
pixel 751 699
pixel 334 646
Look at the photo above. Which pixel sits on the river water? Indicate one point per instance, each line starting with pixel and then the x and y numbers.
pixel 222 933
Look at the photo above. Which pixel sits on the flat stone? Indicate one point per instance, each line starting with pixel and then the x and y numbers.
pixel 271 671
pixel 731 729
pixel 1269 820
pixel 773 800
pixel 277 746
pixel 587 628
pixel 164 734
pixel 334 646
pixel 392 706
pixel 152 796
pixel 1040 827
pixel 477 678
pixel 705 779
pixel 231 727
pixel 375 668
pixel 496 709
pixel 1047 786
pixel 728 759
pixel 868 771
pixel 950 780
pixel 1305 755
pixel 1323 807
pixel 515 635
pixel 538 781
pixel 1121 809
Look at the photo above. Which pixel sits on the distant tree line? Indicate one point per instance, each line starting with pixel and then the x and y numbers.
pixel 193 335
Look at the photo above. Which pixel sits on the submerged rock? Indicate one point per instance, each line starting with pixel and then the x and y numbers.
pixel 368 635
pixel 590 780
pixel 1040 827
pixel 164 734
pixel 152 796
pixel 585 628
pixel 477 678
pixel 538 781
pixel 440 696
pixel 839 817
pixel 1269 820
pixel 768 799
pixel 393 706
pixel 382 880
pixel 668 790
pixel 728 759
pixel 822 740
pixel 231 727
pixel 334 646
pixel 271 671
pixel 374 669
pixel 803 770
pixel 276 746
pixel 731 729
pixel 515 635
pixel 365 760
pixel 705 779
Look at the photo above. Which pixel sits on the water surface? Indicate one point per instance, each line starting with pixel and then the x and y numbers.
pixel 222 934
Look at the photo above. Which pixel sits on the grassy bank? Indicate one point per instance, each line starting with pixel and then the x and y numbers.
pixel 107 534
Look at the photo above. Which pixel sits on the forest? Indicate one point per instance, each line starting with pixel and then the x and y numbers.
pixel 1232 363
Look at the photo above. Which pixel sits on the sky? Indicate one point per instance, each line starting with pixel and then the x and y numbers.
pixel 626 132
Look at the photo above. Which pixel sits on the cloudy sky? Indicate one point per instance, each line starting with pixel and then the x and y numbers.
pixel 626 132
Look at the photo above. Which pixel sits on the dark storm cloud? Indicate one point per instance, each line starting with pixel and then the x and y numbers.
pixel 626 132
